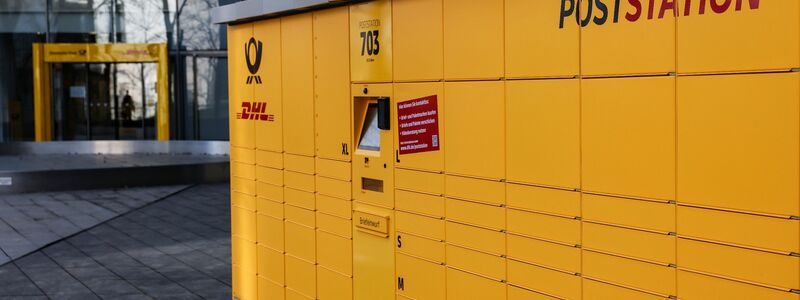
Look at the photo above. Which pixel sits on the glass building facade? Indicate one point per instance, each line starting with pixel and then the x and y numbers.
pixel 115 100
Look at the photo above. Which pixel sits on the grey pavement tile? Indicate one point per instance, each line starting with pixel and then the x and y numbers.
pixel 160 288
pixel 55 281
pixel 36 260
pixel 24 297
pixel 15 283
pixel 92 273
pixel 105 286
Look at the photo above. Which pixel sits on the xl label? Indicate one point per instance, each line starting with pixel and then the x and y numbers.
pixel 418 125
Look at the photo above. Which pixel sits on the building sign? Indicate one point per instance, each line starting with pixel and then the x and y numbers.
pixel 371 41
pixel 253 66
pixel 601 11
pixel 418 125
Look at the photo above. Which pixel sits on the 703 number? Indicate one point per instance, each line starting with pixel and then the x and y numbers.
pixel 369 42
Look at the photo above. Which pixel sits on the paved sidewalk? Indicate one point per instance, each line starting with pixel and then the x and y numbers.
pixel 31 221
pixel 177 248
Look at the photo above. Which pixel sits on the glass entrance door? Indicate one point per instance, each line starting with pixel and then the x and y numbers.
pixel 104 101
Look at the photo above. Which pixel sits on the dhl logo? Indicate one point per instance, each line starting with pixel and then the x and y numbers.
pixel 599 12
pixel 255 111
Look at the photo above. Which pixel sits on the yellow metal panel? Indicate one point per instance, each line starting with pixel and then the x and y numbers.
pixel 548 281
pixel 42 100
pixel 544 200
pixel 335 253
pixel 268 290
pixel 297 69
pixel 548 227
pixel 299 163
pixel 473 39
pixel 331 83
pixel 425 182
pixel 618 157
pixel 697 286
pixel 595 290
pixel 334 206
pixel 299 198
pixel 538 252
pixel 516 293
pixel 739 136
pixel 245 186
pixel 535 43
pixel 373 257
pixel 245 201
pixel 734 39
pixel 300 181
pixel 269 175
pixel 242 170
pixel 267 87
pixel 417 34
pixel 485 191
pixel 333 187
pixel 271 264
pixel 419 203
pixel 301 277
pixel 333 168
pixel 242 155
pixel 771 233
pixel 333 286
pixel 477 214
pixel 371 41
pixel 419 279
pixel 162 92
pixel 270 208
pixel 419 225
pixel 292 294
pixel 245 283
pixel 484 240
pixel 489 265
pixel 475 119
pixel 246 270
pixel 270 232
pixel 336 225
pixel 421 247
pixel 269 192
pixel 369 164
pixel 243 223
pixel 428 160
pixel 269 159
pixel 650 215
pixel 242 131
pixel 650 277
pixel 543 132
pixel 776 270
pixel 300 216
pixel 300 241
pixel 462 285
pixel 655 247
pixel 641 42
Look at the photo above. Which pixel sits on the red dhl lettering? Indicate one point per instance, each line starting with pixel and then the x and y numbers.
pixel 598 11
pixel 255 111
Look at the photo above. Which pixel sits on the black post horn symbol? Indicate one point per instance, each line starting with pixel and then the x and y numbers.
pixel 253 67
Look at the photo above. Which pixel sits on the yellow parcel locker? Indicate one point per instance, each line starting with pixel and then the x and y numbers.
pixel 537 42
pixel 517 293
pixel 243 223
pixel 731 37
pixel 371 41
pixel 332 285
pixel 595 290
pixel 335 252
pixel 271 264
pixel 473 213
pixel 475 125
pixel 268 159
pixel 628 136
pixel 550 255
pixel 547 227
pixel 301 277
pixel 738 142
pixel 544 200
pixel 420 279
pixel 270 232
pixel 484 264
pixel 465 286
pixel 473 39
pixel 268 290
pixel 417 39
pixel 543 132
pixel 419 181
pixel 477 190
pixel 640 214
pixel 476 238
pixel 432 228
pixel 654 278
pixel 636 37
pixel 267 86
pixel 637 244
pixel 698 286
pixel 301 241
pixel 426 99
pixel 335 169
pixel 419 203
pixel 551 282
pixel 242 129
pixel 332 83
pixel 297 69
pixel 421 247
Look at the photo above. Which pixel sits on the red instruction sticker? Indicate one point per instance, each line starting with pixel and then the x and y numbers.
pixel 418 125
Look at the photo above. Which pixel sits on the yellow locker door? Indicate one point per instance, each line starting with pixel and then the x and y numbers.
pixel 419 105
pixel 417 35
pixel 538 45
pixel 543 132
pixel 628 136
pixel 332 84
pixel 371 41
pixel 420 279
pixel 747 36
pixel 298 84
pixel 636 37
pixel 267 86
pixel 475 126
pixel 738 142
pixel 473 39
pixel 242 130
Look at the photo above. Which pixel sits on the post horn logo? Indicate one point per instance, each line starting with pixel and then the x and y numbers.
pixel 253 66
